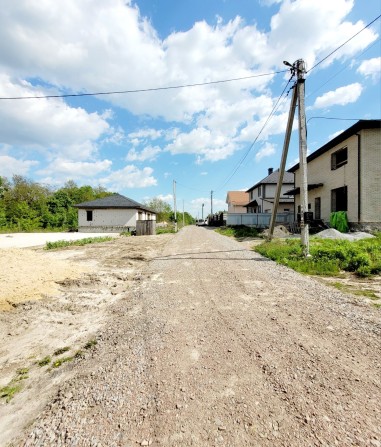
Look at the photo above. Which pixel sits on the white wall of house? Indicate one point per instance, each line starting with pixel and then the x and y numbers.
pixel 319 171
pixel 113 217
pixel 264 195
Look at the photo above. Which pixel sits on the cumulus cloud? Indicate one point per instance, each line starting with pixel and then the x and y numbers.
pixel 10 166
pixel 47 123
pixel 371 68
pixel 339 97
pixel 266 150
pixel 96 45
pixel 129 177
pixel 148 153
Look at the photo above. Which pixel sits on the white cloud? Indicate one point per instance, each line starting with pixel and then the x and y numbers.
pixel 149 153
pixel 205 144
pixel 10 166
pixel 107 45
pixel 335 134
pixel 151 134
pixel 49 124
pixel 371 68
pixel 266 150
pixel 341 96
pixel 203 173
pixel 61 170
pixel 129 177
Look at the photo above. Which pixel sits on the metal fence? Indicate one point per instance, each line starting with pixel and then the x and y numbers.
pixel 259 220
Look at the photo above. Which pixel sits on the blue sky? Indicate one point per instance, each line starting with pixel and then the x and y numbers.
pixel 138 143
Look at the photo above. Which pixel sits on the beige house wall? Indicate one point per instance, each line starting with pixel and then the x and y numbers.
pixel 371 175
pixel 319 171
pixel 236 208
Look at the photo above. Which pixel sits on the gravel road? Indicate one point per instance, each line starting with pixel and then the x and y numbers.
pixel 217 346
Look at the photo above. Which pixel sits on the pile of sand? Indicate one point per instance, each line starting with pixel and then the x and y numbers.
pixel 30 275
pixel 331 233
pixel 280 231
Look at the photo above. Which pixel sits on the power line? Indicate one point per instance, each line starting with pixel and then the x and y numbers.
pixel 258 135
pixel 154 89
pixel 332 118
pixel 340 46
pixel 344 68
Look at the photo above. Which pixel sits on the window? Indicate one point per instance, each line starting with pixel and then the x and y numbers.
pixel 339 199
pixel 317 208
pixel 286 210
pixel 89 216
pixel 339 158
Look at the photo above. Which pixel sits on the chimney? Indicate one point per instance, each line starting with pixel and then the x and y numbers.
pixel 271 170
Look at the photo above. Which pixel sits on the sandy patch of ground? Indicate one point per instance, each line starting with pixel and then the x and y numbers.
pixel 20 240
pixel 66 296
pixel 29 275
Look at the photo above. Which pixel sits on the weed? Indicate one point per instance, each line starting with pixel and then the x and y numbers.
pixel 328 257
pixel 80 242
pixel 165 230
pixel 61 361
pixel 22 371
pixel 90 344
pixel 359 292
pixel 61 350
pixel 9 391
pixel 45 361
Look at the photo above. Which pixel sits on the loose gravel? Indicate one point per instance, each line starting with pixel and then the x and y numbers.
pixel 215 345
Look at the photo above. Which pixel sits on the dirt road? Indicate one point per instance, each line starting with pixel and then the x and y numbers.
pixel 217 346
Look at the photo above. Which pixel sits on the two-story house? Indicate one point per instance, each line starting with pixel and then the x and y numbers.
pixel 345 175
pixel 262 194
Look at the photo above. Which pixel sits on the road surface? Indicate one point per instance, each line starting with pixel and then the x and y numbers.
pixel 216 346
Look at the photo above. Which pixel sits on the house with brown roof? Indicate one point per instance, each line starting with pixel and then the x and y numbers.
pixel 112 214
pixel 345 175
pixel 237 200
pixel 262 194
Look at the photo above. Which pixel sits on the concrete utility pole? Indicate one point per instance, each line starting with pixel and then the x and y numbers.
pixel 298 96
pixel 211 203
pixel 202 212
pixel 304 227
pixel 282 167
pixel 183 215
pixel 174 204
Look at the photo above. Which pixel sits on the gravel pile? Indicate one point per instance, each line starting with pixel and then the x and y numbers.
pixel 331 233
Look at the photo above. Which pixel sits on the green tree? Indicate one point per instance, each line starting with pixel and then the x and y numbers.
pixel 162 209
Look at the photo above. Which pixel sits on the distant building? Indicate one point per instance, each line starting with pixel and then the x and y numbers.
pixel 345 175
pixel 237 200
pixel 115 213
pixel 262 194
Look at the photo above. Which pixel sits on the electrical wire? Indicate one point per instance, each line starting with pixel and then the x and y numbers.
pixel 344 68
pixel 332 118
pixel 340 46
pixel 154 89
pixel 258 135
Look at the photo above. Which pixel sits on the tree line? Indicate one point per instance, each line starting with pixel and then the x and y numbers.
pixel 26 205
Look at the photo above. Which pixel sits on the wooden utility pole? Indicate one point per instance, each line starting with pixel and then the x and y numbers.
pixel 174 204
pixel 183 215
pixel 304 227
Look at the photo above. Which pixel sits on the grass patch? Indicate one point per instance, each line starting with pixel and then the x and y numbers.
pixel 9 391
pixel 79 242
pixel 45 361
pixel 238 231
pixel 359 292
pixel 15 385
pixel 61 350
pixel 61 361
pixel 328 257
pixel 165 230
